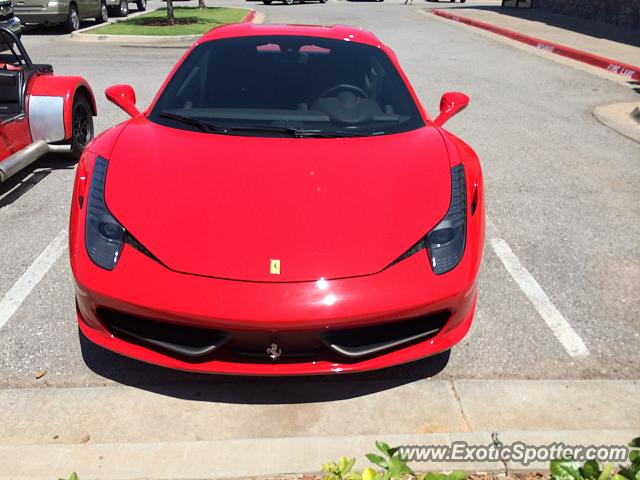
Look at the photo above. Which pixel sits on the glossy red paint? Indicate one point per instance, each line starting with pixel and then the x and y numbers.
pixel 14 135
pixel 451 104
pixel 124 97
pixel 337 212
pixel 283 198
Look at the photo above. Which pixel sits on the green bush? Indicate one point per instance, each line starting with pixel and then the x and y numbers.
pixel 391 465
pixel 568 469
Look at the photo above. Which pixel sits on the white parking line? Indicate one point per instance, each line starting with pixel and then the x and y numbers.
pixel 563 331
pixel 29 279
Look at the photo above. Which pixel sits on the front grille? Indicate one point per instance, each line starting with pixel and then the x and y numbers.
pixel 366 341
pixel 183 340
pixel 197 344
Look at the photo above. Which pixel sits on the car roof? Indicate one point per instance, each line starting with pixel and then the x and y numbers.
pixel 338 32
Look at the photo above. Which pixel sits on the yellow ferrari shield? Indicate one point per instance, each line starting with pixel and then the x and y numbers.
pixel 274 267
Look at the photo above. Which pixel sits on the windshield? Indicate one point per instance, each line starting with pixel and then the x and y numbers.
pixel 287 86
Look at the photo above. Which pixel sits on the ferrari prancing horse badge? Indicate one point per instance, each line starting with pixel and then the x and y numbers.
pixel 274 267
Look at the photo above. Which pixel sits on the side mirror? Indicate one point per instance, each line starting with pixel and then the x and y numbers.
pixel 450 104
pixel 124 97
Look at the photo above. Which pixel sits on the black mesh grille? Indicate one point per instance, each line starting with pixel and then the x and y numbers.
pixel 202 344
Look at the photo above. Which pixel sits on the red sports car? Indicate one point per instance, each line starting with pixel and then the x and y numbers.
pixel 285 206
pixel 39 111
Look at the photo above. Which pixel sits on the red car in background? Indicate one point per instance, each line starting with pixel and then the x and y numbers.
pixel 39 111
pixel 285 206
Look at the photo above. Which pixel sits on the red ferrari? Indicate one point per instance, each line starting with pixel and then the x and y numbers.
pixel 285 206
pixel 39 112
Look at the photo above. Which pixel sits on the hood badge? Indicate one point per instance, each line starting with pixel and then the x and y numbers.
pixel 274 267
pixel 273 351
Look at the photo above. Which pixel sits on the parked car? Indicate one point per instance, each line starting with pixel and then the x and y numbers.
pixel 285 206
pixel 9 20
pixel 68 13
pixel 39 111
pixel 289 2
pixel 120 8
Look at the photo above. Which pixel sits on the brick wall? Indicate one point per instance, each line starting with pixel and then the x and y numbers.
pixel 625 13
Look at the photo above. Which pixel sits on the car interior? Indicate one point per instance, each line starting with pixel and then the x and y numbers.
pixel 10 93
pixel 15 71
pixel 290 79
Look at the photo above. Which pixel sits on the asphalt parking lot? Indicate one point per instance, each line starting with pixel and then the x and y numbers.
pixel 562 202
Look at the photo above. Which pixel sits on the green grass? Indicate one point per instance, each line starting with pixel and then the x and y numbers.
pixel 191 21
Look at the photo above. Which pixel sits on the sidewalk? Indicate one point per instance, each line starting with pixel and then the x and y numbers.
pixel 596 38
pixel 600 48
pixel 188 432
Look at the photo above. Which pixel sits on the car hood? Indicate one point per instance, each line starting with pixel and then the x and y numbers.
pixel 227 206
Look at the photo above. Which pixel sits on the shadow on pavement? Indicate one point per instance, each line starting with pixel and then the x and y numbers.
pixel 253 390
pixel 16 186
pixel 578 25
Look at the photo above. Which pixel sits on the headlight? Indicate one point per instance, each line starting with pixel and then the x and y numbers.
pixel 104 236
pixel 445 242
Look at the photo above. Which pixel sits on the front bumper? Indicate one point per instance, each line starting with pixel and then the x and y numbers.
pixel 113 307
pixel 143 288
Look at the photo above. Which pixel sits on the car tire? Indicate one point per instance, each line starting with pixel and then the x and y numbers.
pixel 81 125
pixel 122 10
pixel 287 2
pixel 103 16
pixel 142 5
pixel 266 2
pixel 73 19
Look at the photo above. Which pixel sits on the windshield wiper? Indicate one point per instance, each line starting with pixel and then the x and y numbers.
pixel 205 127
pixel 329 134
pixel 213 128
pixel 294 132
pixel 265 128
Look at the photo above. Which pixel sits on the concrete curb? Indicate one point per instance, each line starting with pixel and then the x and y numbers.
pixel 631 72
pixel 83 36
pixel 621 118
pixel 218 430
pixel 259 457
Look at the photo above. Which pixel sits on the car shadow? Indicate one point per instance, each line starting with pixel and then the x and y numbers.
pixel 55 30
pixel 253 390
pixel 18 185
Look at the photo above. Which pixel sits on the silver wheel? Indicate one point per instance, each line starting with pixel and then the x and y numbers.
pixel 73 19
pixel 124 8
pixel 104 14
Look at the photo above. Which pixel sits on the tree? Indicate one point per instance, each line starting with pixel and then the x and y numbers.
pixel 171 19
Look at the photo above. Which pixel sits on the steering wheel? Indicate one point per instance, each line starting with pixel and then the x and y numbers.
pixel 344 86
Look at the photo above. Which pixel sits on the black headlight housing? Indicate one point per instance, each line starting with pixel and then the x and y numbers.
pixel 446 241
pixel 104 236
